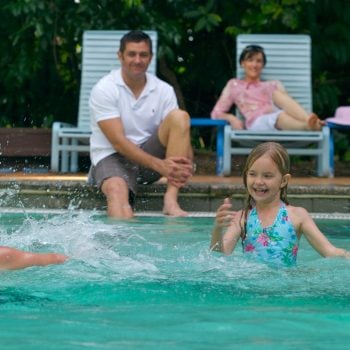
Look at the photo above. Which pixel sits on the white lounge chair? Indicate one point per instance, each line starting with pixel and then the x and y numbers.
pixel 99 56
pixel 288 60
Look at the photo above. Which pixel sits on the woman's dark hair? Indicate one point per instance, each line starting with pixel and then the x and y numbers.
pixel 251 50
pixel 135 36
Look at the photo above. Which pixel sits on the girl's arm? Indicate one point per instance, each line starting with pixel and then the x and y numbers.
pixel 315 237
pixel 225 218
pixel 222 219
pixel 232 235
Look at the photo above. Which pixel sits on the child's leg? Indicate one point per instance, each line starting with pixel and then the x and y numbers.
pixel 13 259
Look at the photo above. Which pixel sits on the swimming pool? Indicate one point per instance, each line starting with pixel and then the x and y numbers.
pixel 151 283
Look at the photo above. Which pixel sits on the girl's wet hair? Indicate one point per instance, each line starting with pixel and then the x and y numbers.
pixel 135 36
pixel 250 51
pixel 280 157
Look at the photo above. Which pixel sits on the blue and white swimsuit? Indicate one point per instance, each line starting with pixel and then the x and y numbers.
pixel 276 244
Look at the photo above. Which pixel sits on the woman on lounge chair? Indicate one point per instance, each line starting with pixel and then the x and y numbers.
pixel 265 105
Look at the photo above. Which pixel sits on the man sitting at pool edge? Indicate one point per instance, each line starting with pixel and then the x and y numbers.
pixel 138 132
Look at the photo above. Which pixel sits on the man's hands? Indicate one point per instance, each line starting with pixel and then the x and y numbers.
pixel 177 170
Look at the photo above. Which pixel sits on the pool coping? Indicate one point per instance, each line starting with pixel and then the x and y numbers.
pixel 43 211
pixel 201 195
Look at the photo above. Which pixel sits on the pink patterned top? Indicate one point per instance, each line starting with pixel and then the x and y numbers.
pixel 253 99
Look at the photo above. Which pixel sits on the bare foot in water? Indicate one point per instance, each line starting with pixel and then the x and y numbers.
pixel 173 209
pixel 315 123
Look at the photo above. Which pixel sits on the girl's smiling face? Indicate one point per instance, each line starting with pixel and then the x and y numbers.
pixel 265 181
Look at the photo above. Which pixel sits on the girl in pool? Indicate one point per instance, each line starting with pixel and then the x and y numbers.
pixel 14 259
pixel 268 226
pixel 265 105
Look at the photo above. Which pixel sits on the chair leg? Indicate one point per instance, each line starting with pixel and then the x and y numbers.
pixel 54 147
pixel 220 150
pixel 227 151
pixel 74 158
pixel 331 152
pixel 324 166
pixel 65 156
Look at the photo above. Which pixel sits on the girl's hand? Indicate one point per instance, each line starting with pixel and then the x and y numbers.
pixel 224 215
pixel 232 234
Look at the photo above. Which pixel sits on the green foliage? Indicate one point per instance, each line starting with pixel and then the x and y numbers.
pixel 41 49
pixel 342 145
pixel 206 20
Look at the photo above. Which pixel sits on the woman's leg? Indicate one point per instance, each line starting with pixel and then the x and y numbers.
pixel 287 122
pixel 294 117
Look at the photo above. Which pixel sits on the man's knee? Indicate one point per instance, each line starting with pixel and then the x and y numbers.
pixel 180 118
pixel 175 128
pixel 115 187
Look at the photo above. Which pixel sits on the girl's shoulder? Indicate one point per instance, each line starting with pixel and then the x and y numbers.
pixel 297 214
pixel 297 210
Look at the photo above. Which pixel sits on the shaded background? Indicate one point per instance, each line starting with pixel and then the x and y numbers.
pixel 41 51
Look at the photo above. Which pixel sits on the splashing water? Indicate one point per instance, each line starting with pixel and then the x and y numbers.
pixel 152 282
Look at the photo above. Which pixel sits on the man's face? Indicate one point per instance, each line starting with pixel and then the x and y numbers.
pixel 135 59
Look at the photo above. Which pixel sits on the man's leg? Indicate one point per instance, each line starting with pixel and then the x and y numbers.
pixel 117 194
pixel 174 134
pixel 115 175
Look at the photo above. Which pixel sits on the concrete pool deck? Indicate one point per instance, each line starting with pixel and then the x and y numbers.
pixel 202 194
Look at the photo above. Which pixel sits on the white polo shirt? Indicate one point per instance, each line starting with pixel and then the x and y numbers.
pixel 111 98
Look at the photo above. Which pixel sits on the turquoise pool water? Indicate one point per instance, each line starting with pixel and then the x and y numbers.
pixel 151 283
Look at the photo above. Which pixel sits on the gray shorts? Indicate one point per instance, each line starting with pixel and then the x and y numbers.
pixel 116 165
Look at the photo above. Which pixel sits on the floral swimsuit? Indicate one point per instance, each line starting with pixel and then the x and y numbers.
pixel 276 244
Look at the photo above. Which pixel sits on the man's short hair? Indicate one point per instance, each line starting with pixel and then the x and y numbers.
pixel 135 36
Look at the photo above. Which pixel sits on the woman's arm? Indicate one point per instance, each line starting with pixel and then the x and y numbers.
pixel 235 122
pixel 224 104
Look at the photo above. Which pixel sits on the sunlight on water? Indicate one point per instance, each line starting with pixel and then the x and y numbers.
pixel 149 272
